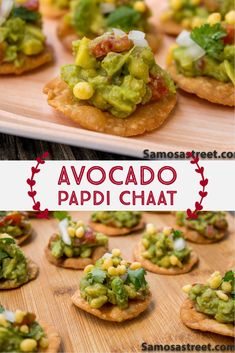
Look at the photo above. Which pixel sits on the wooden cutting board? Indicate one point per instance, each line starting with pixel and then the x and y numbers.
pixel 49 296
pixel 194 124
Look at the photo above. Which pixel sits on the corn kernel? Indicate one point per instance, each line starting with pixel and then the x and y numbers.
pixel 214 282
pixel 145 243
pixel 79 232
pixel 107 263
pixel 88 268
pixel 19 316
pixel 3 321
pixel 167 15
pixel 79 224
pixel 44 342
pixel 176 4
pixel 195 2
pixel 112 271
pixel 71 231
pixel 124 262
pixel 83 90
pixel 135 265
pixel 222 295
pixel 140 6
pixel 28 345
pixel 187 288
pixel 173 260
pixel 226 287
pixel 116 252
pixel 215 274
pixel 121 269
pixel 150 228
pixel 186 23
pixel 170 56
pixel 230 17
pixel 24 329
pixel 167 231
pixel 146 255
pixel 214 18
pixel 197 22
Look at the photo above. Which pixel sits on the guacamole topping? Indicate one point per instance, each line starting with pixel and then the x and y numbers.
pixel 165 248
pixel 20 332
pixel 60 4
pixel 216 297
pixel 75 240
pixel 207 51
pixel 208 224
pixel 14 223
pixel 117 219
pixel 113 280
pixel 116 74
pixel 20 32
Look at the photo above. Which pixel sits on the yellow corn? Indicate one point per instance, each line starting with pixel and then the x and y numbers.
pixel 215 281
pixel 197 22
pixel 88 268
pixel 71 231
pixel 214 18
pixel 222 295
pixel 140 6
pixel 83 90
pixel 226 286
pixel 145 242
pixel 170 56
pixel 167 231
pixel 121 269
pixel 195 2
pixel 80 224
pixel 3 321
pixel 176 4
pixel 116 252
pixel 19 315
pixel 187 288
pixel 107 263
pixel 135 265
pixel 44 342
pixel 230 17
pixel 28 345
pixel 186 23
pixel 124 262
pixel 24 329
pixel 112 271
pixel 150 228
pixel 167 15
pixel 79 232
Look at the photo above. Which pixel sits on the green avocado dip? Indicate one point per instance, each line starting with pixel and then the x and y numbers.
pixel 208 224
pixel 114 74
pixel 75 240
pixel 20 332
pixel 20 33
pixel 115 281
pixel 165 248
pixel 216 297
pixel 13 263
pixel 117 219
pixel 14 223
pixel 208 50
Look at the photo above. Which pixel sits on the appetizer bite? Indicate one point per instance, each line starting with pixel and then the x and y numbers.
pixel 22 43
pixel 115 223
pixel 164 251
pixel 202 62
pixel 76 245
pixel 187 14
pixel 113 289
pixel 20 332
pixel 211 307
pixel 209 227
pixel 114 87
pixel 54 8
pixel 16 268
pixel 16 224
pixel 92 18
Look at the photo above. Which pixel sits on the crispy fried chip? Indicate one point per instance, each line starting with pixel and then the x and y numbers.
pixel 75 263
pixel 148 265
pixel 146 118
pixel 205 87
pixel 112 231
pixel 50 11
pixel 31 63
pixel 33 271
pixel 171 27
pixel 199 321
pixel 111 312
pixel 53 337
pixel 195 237
pixel 22 238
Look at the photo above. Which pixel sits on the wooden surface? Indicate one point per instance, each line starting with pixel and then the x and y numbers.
pixel 49 297
pixel 195 124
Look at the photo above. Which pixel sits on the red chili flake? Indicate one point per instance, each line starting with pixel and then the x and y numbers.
pixel 111 44
pixel 158 87
pixel 230 38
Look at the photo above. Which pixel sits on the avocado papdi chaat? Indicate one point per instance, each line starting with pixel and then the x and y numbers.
pixel 22 43
pixel 54 8
pixel 211 306
pixel 115 223
pixel 75 245
pixel 15 268
pixel 92 18
pixel 15 224
pixel 164 251
pixel 114 87
pixel 20 332
pixel 188 14
pixel 113 289
pixel 208 228
pixel 202 62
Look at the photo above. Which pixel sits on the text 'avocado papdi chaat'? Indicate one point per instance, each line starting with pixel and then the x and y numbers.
pixel 211 306
pixel 92 18
pixel 15 268
pixel 203 63
pixel 208 228
pixel 15 224
pixel 76 245
pixel 114 87
pixel 54 8
pixel 115 223
pixel 113 289
pixel 164 251
pixel 20 332
pixel 22 43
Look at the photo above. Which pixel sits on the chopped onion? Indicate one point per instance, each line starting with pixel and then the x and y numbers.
pixel 63 225
pixel 193 49
pixel 179 244
pixel 5 9
pixel 107 255
pixel 118 32
pixel 9 315
pixel 184 39
pixel 138 38
pixel 106 7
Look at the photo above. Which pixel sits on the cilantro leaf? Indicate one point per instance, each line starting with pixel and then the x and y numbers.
pixel 123 17
pixel 60 215
pixel 177 234
pixel 96 276
pixel 210 39
pixel 8 240
pixel 1 309
pixel 137 278
pixel 3 213
pixel 3 255
pixel 229 276
pixel 25 14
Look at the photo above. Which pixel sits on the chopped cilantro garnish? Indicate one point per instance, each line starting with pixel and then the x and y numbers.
pixel 8 240
pixel 177 234
pixel 60 215
pixel 25 14
pixel 229 276
pixel 137 278
pixel 96 276
pixel 1 309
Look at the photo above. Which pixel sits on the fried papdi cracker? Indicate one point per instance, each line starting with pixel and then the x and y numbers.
pixel 195 237
pixel 50 11
pixel 205 87
pixel 111 312
pixel 199 321
pixel 146 118
pixel 22 238
pixel 148 265
pixel 75 263
pixel 53 338
pixel 33 271
pixel 171 27
pixel 31 63
pixel 112 231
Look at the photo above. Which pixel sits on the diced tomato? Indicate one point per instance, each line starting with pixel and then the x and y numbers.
pixel 14 219
pixel 111 44
pixel 230 38
pixel 158 87
pixel 210 231
pixel 89 236
pixel 32 5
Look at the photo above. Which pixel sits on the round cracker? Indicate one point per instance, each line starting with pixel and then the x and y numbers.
pixel 148 265
pixel 195 237
pixel 109 312
pixel 113 231
pixel 77 263
pixel 199 321
pixel 31 63
pixel 205 87
pixel 53 337
pixel 171 27
pixel 33 271
pixel 50 11
pixel 146 118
